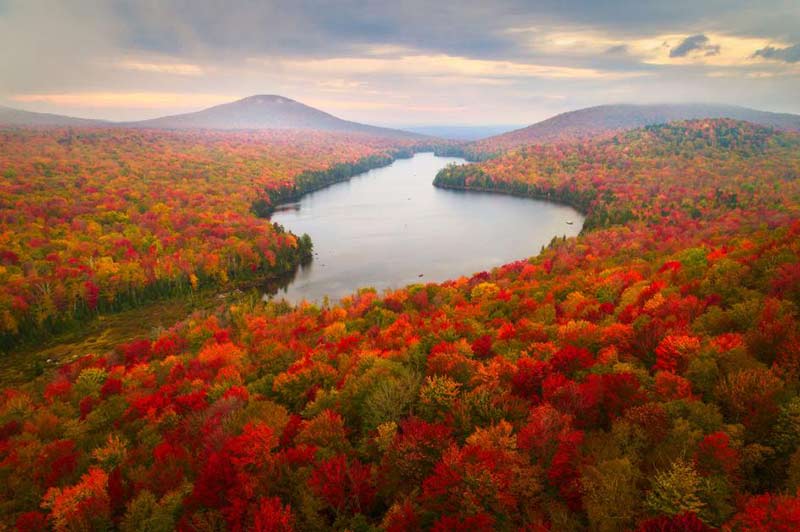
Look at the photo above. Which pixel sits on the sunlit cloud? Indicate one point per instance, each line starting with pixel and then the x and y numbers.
pixel 715 50
pixel 694 44
pixel 144 100
pixel 387 50
pixel 445 65
pixel 179 69
pixel 708 48
pixel 565 42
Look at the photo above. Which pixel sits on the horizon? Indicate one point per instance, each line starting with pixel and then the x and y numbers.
pixel 148 116
pixel 500 127
pixel 473 64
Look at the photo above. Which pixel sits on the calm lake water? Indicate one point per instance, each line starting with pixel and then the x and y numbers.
pixel 388 226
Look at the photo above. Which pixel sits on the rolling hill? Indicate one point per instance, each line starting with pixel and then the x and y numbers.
pixel 607 119
pixel 267 112
pixel 18 117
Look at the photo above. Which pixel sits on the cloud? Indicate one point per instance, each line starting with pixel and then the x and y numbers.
pixel 734 51
pixel 790 54
pixel 476 28
pixel 395 62
pixel 143 100
pixel 178 69
pixel 617 49
pixel 444 65
pixel 613 52
pixel 692 44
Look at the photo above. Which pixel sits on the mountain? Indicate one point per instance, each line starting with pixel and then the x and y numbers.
pixel 18 117
pixel 254 112
pixel 266 112
pixel 606 119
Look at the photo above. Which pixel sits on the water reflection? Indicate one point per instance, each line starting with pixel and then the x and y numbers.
pixel 391 227
pixel 288 207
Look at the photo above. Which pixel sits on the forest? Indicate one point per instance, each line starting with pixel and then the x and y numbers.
pixel 642 376
pixel 97 220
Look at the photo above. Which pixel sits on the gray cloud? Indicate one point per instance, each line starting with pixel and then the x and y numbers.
pixel 315 28
pixel 619 49
pixel 790 54
pixel 477 28
pixel 242 47
pixel 694 43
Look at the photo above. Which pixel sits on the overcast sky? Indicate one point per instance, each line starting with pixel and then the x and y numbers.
pixel 397 63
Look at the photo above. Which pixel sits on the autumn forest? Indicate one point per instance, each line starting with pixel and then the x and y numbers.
pixel 487 266
pixel 641 376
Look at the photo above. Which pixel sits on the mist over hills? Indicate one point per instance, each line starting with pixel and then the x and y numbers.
pixel 604 119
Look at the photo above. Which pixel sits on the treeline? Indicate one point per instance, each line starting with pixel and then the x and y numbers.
pixel 311 180
pixel 100 220
pixel 471 177
pixel 465 151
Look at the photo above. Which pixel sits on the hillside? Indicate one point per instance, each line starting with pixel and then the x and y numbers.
pixel 642 376
pixel 267 112
pixel 608 119
pixel 254 112
pixel 18 117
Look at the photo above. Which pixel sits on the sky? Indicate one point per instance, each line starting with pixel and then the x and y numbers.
pixel 404 62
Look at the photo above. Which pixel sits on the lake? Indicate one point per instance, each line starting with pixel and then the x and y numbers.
pixel 391 227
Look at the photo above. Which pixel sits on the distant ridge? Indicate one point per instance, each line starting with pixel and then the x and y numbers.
pixel 266 111
pixel 606 119
pixel 269 111
pixel 18 117
pixel 465 133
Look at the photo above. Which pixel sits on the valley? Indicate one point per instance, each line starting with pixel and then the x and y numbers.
pixel 601 316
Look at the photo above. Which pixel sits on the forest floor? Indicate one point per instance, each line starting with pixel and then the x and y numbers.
pixel 30 359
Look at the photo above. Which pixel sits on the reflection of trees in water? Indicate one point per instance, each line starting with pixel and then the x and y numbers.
pixel 271 287
pixel 295 206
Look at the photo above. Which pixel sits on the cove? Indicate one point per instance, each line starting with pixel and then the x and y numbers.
pixel 390 227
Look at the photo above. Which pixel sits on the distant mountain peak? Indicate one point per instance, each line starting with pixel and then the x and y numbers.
pixel 265 99
pixel 267 111
pixel 260 111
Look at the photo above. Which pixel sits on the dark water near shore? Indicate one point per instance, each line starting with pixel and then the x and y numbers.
pixel 388 226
